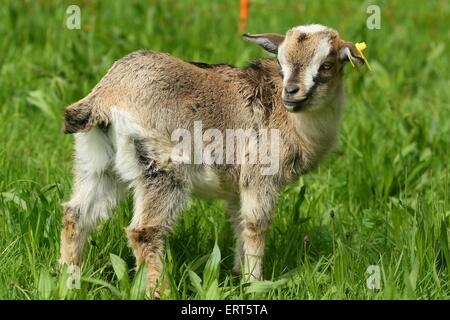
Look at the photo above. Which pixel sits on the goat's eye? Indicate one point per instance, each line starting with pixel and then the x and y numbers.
pixel 326 66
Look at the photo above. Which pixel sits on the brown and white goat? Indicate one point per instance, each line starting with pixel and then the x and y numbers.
pixel 123 139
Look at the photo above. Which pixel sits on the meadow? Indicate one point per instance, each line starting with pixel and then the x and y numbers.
pixel 381 199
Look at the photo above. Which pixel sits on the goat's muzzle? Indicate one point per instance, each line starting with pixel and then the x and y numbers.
pixel 295 105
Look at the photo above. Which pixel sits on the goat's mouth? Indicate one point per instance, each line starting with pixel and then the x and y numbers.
pixel 295 105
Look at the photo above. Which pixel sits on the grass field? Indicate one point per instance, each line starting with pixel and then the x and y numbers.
pixel 387 183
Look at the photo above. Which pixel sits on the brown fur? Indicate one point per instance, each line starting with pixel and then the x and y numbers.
pixel 147 244
pixel 70 247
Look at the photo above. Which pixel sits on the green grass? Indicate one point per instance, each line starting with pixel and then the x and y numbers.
pixel 387 183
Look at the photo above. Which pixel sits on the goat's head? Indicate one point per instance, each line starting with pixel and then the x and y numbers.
pixel 311 60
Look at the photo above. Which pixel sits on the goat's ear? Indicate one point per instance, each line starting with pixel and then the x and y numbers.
pixel 269 41
pixel 348 51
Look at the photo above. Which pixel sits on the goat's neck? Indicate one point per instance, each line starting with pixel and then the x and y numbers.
pixel 319 128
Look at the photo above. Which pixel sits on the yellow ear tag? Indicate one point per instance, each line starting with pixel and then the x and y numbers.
pixel 361 46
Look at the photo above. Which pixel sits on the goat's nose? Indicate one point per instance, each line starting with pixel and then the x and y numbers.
pixel 291 89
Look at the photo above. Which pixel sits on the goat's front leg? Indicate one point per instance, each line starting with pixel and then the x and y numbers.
pixel 256 215
pixel 233 208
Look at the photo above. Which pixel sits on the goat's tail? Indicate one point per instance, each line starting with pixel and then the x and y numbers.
pixel 83 115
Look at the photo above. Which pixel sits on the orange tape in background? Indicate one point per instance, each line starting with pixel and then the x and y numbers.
pixel 243 15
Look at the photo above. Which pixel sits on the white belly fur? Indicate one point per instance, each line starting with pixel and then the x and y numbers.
pixel 207 184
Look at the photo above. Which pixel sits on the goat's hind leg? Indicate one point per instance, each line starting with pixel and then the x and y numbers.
pixel 96 191
pixel 156 207
pixel 143 158
pixel 160 194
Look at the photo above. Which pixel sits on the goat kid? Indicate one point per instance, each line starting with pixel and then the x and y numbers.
pixel 123 139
